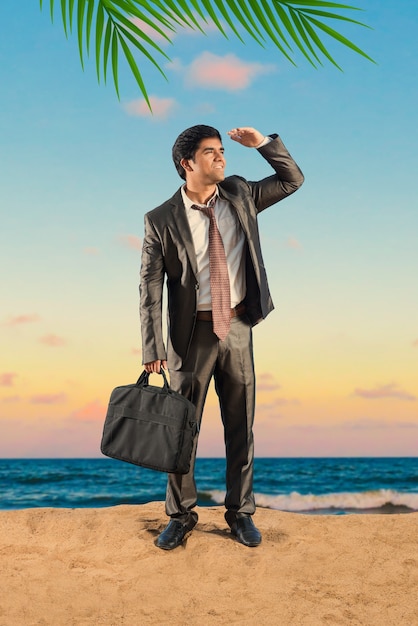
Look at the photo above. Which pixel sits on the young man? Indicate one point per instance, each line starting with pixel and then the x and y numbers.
pixel 205 241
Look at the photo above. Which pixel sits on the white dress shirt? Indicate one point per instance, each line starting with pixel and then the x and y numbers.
pixel 233 239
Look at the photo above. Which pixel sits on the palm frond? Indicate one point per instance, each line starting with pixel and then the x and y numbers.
pixel 115 26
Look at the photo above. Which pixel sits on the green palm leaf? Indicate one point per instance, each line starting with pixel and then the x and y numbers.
pixel 106 47
pixel 99 35
pixel 116 27
pixel 80 24
pixel 88 25
pixel 304 34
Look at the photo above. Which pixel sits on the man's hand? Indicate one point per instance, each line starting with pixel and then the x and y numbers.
pixel 153 367
pixel 247 136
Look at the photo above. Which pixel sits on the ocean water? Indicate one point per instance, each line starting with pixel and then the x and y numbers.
pixel 314 486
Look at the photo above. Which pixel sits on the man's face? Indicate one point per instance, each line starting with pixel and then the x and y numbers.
pixel 208 165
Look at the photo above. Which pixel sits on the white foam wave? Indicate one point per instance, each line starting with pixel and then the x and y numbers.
pixel 361 500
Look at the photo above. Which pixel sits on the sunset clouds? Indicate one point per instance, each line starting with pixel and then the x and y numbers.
pixel 7 379
pixel 267 382
pixel 19 320
pixel 293 243
pixel 53 341
pixel 385 391
pixel 161 107
pixel 92 412
pixel 133 242
pixel 227 72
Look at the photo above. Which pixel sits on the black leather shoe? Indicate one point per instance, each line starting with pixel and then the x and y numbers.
pixel 244 530
pixel 173 535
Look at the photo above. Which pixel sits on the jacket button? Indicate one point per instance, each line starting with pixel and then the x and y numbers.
pixel 196 286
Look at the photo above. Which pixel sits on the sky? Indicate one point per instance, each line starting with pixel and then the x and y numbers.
pixel 337 360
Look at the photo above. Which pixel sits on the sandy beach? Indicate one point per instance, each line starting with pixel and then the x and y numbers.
pixel 82 567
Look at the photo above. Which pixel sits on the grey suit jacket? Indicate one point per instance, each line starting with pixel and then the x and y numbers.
pixel 168 251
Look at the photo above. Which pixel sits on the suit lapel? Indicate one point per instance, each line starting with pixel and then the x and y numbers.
pixel 248 225
pixel 239 208
pixel 183 228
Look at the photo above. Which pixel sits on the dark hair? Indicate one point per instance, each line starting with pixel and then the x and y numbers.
pixel 188 142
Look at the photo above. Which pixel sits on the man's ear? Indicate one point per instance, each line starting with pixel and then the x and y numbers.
pixel 185 163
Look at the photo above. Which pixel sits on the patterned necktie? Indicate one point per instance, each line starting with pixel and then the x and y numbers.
pixel 219 278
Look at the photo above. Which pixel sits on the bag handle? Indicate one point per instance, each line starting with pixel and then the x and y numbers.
pixel 144 378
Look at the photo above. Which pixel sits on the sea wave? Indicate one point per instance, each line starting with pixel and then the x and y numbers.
pixel 381 500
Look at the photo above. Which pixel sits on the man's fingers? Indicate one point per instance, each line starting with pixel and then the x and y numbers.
pixel 246 135
pixel 242 130
pixel 153 367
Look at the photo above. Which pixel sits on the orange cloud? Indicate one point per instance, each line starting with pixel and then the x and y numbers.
pixel 266 382
pixel 270 409
pixel 415 343
pixel 227 72
pixel 48 398
pixel 131 241
pixel 293 243
pixel 7 379
pixel 92 412
pixel 385 391
pixel 91 251
pixel 161 107
pixel 52 340
pixel 18 320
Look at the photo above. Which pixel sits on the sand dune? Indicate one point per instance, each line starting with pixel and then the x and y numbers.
pixel 99 566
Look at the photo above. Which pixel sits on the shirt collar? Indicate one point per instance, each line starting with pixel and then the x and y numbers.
pixel 188 203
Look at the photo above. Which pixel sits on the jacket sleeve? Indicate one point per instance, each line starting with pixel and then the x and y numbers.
pixel 286 180
pixel 151 295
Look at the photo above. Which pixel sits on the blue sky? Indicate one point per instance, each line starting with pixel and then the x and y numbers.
pixel 80 169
